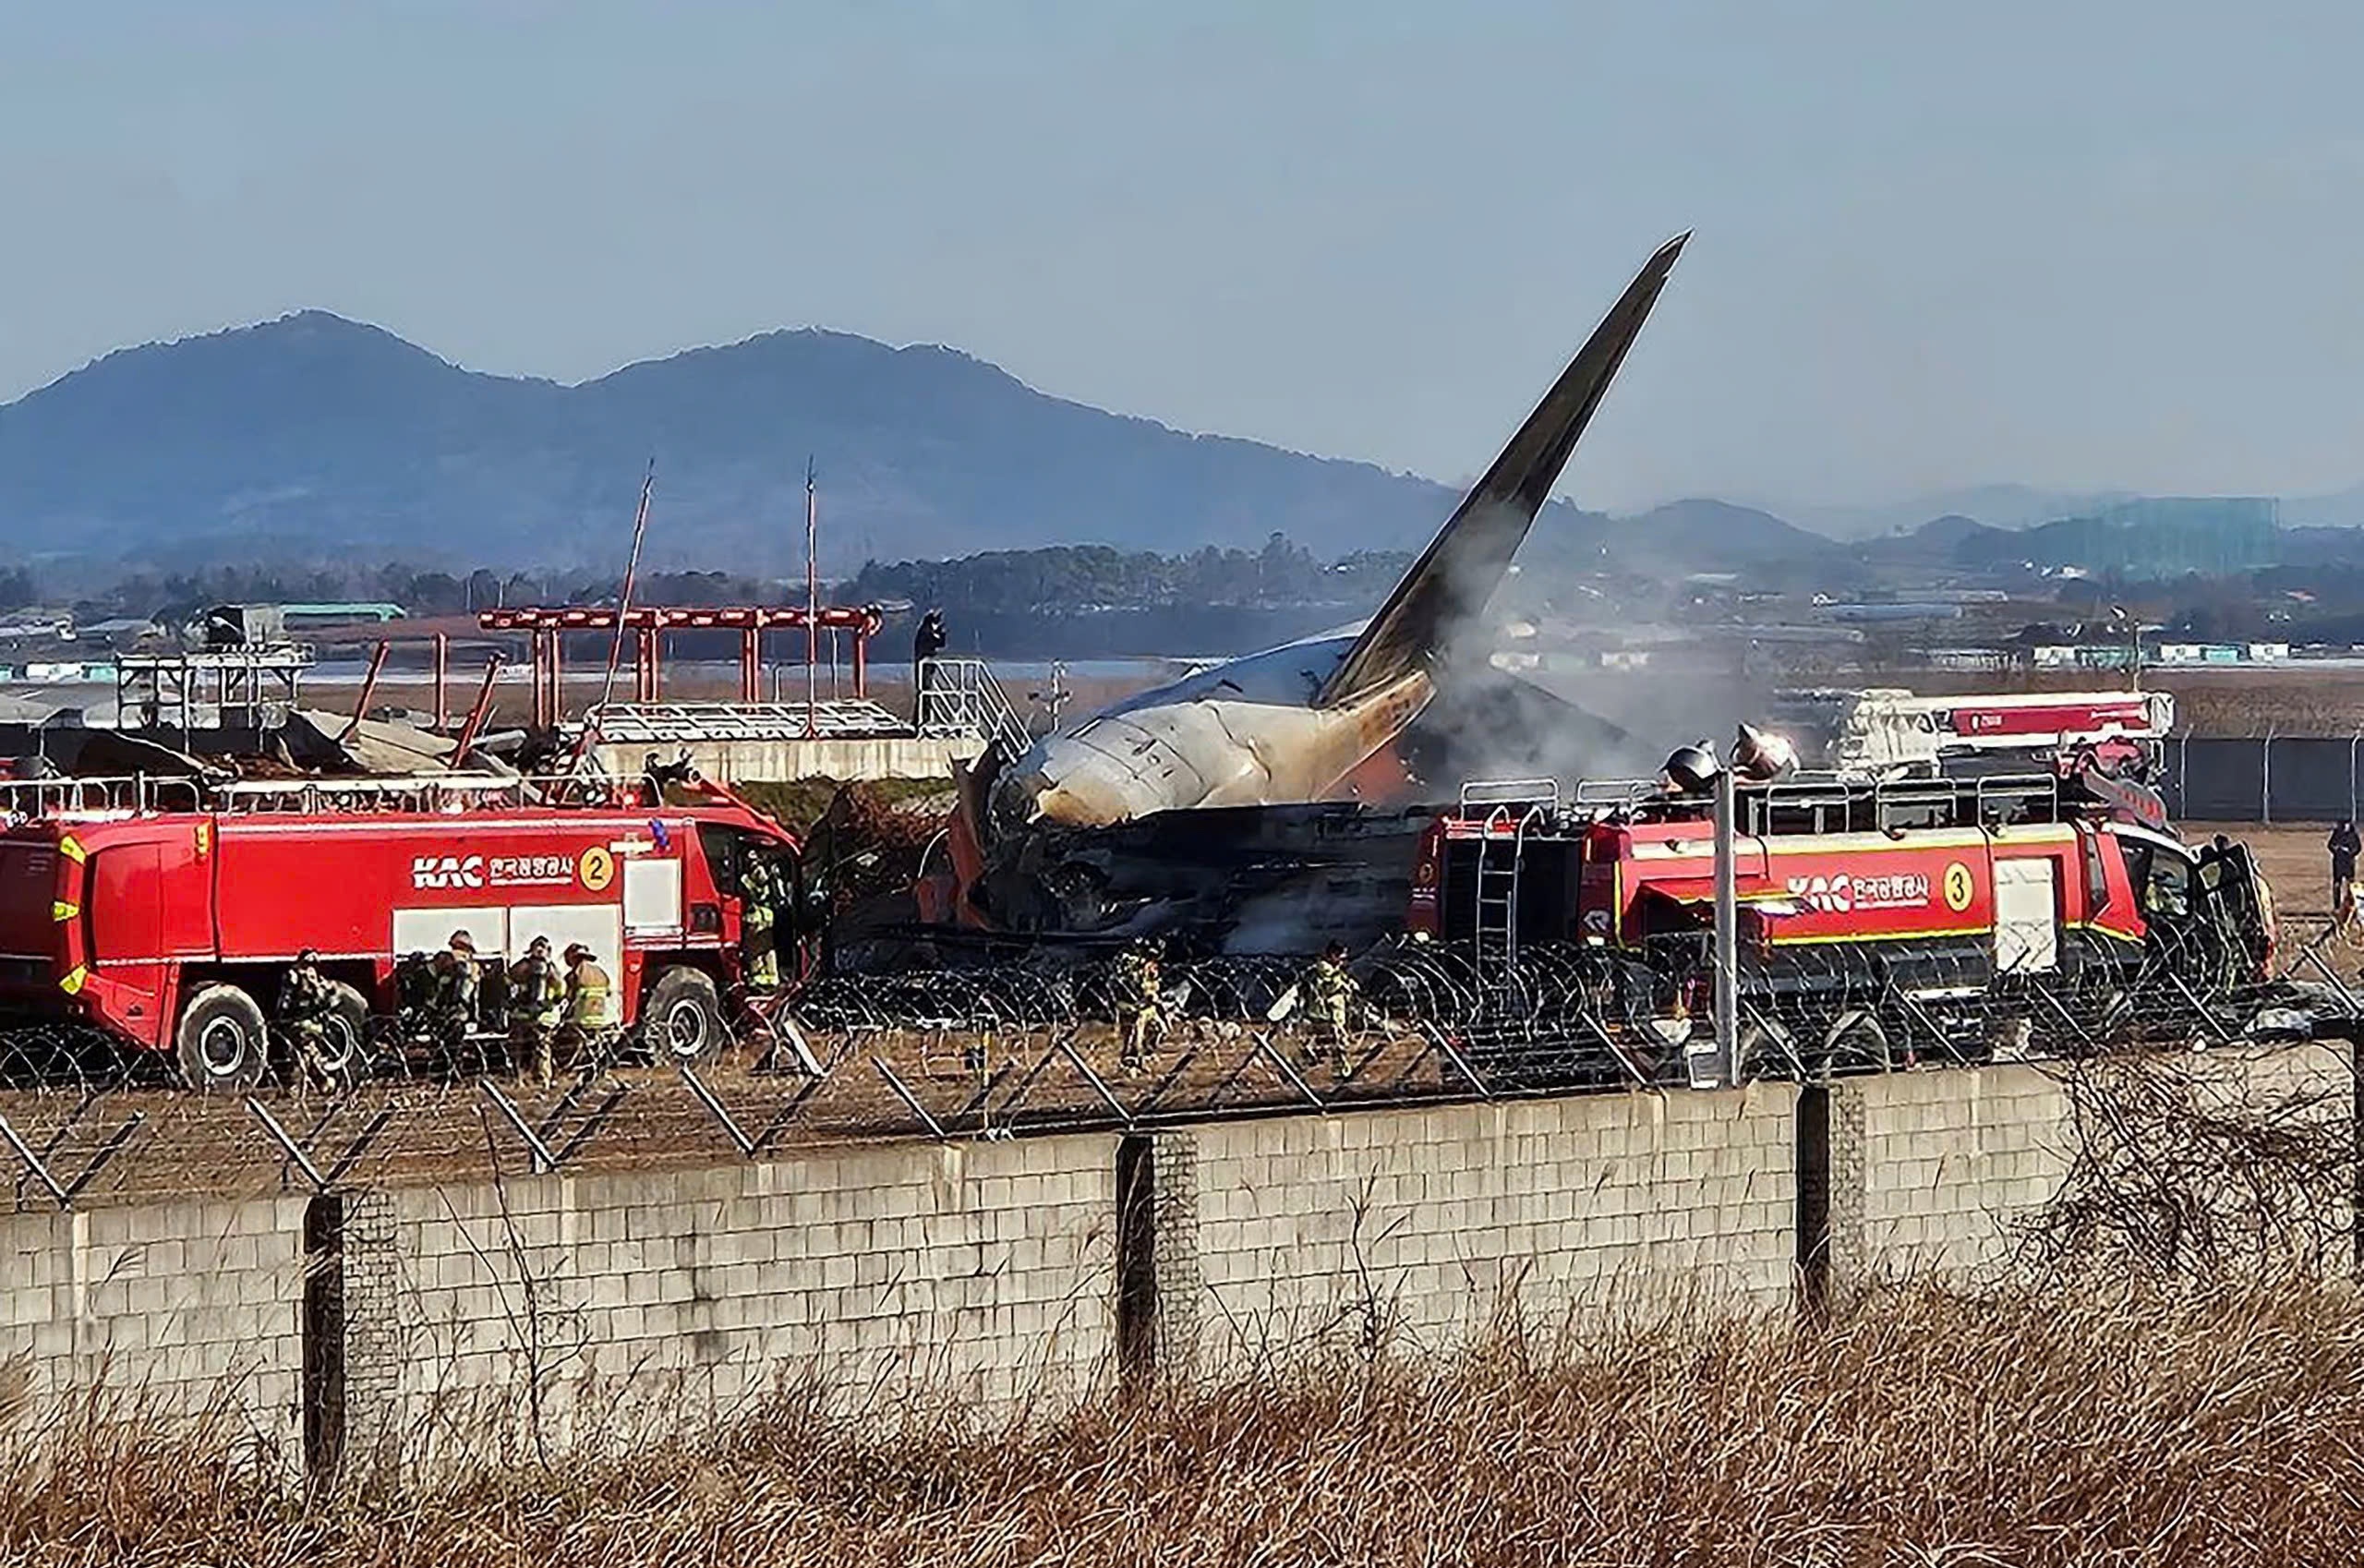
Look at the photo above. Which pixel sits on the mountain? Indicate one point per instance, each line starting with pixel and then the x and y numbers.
pixel 1940 542
pixel 1674 540
pixel 1997 506
pixel 314 436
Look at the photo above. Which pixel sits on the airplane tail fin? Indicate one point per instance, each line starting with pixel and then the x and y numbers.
pixel 1463 563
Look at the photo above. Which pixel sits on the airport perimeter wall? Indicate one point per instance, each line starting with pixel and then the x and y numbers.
pixel 411 1329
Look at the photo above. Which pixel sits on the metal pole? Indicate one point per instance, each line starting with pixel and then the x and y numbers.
pixel 623 596
pixel 811 602
pixel 1727 1050
pixel 2265 776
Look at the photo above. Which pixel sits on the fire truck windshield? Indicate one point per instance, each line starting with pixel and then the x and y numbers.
pixel 2161 874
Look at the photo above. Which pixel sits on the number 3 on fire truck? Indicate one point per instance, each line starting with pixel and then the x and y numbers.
pixel 597 868
pixel 1957 887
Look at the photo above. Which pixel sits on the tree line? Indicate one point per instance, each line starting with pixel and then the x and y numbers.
pixel 1068 578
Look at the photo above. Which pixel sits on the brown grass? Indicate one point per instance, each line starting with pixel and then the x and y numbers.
pixel 2117 1427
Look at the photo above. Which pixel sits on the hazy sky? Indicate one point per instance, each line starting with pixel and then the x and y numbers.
pixel 2073 244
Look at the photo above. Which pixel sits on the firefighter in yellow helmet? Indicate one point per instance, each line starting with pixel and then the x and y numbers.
pixel 763 895
pixel 590 1011
pixel 1140 1000
pixel 536 1006
pixel 1330 995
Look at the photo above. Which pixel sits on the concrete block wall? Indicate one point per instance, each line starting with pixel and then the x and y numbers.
pixel 1930 1171
pixel 601 1311
pixel 1424 1228
pixel 475 1321
pixel 1936 1172
pixel 169 1312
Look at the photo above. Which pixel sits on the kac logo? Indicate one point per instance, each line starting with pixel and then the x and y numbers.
pixel 447 871
pixel 1830 894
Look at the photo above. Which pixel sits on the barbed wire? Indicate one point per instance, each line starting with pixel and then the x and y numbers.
pixel 1010 1047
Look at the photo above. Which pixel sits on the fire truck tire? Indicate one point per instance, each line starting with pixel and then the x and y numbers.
pixel 222 1044
pixel 345 1047
pixel 683 1018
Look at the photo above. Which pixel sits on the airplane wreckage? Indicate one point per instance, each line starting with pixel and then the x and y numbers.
pixel 1218 809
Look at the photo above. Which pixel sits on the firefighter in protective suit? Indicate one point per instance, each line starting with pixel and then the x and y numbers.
pixel 1139 1002
pixel 589 1016
pixel 765 893
pixel 1330 995
pixel 306 1003
pixel 456 986
pixel 538 1005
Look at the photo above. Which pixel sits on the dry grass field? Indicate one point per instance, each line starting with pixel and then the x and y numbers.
pixel 2107 1426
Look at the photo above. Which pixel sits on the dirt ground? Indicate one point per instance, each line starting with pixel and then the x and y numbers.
pixel 879 1086
pixel 2296 865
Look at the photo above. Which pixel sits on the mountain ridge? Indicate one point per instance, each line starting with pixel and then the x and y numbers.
pixel 313 435
pixel 313 432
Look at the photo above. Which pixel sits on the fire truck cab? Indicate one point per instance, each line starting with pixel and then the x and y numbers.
pixel 168 915
pixel 1854 894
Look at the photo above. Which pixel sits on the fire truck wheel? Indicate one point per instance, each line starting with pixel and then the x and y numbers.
pixel 222 1043
pixel 683 1021
pixel 344 1044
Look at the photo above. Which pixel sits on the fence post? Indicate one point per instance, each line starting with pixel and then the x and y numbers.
pixel 2265 777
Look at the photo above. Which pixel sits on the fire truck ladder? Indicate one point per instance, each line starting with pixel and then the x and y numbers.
pixel 142 794
pixel 1512 807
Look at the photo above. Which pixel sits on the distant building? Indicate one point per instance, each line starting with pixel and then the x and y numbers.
pixel 1985 659
pixel 2081 656
pixel 313 616
pixel 2160 537
pixel 2199 652
pixel 1882 614
pixel 28 625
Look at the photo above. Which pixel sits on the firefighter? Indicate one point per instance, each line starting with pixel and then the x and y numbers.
pixel 2342 844
pixel 764 892
pixel 927 643
pixel 537 1003
pixel 306 1003
pixel 1139 1001
pixel 590 1002
pixel 1331 993
pixel 457 983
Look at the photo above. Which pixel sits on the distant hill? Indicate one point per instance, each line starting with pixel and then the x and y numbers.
pixel 313 436
pixel 1674 540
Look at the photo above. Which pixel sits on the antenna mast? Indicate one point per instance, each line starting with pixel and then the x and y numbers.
pixel 623 607
pixel 812 604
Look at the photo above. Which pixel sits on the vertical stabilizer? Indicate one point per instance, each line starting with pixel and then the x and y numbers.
pixel 1466 561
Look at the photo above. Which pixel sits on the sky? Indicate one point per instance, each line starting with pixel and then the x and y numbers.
pixel 2074 245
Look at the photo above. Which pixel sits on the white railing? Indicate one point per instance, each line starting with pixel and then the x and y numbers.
pixel 961 697
pixel 122 794
pixel 664 724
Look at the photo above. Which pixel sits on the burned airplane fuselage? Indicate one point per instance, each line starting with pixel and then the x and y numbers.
pixel 1289 725
pixel 1244 734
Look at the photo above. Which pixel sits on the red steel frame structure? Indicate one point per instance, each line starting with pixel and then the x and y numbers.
pixel 647 625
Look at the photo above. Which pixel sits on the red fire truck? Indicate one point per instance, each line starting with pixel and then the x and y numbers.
pixel 1860 900
pixel 167 913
